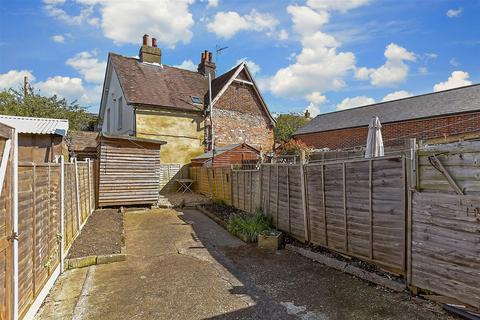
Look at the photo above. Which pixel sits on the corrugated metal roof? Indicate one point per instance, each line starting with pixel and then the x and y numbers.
pixel 36 125
pixel 464 99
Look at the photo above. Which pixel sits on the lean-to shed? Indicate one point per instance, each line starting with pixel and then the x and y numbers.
pixel 39 139
pixel 227 155
pixel 128 170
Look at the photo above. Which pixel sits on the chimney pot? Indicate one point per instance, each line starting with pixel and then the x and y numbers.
pixel 154 42
pixel 206 65
pixel 145 39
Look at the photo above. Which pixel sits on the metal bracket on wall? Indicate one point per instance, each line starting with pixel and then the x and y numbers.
pixel 437 164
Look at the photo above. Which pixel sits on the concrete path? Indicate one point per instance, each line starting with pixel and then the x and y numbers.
pixel 184 266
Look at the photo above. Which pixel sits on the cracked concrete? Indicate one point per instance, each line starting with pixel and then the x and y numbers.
pixel 181 265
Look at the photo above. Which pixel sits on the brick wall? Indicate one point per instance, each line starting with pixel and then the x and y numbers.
pixel 236 127
pixel 395 134
pixel 238 117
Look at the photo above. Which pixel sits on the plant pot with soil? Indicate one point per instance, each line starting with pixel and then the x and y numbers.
pixel 270 239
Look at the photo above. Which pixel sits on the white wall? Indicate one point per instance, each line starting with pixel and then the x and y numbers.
pixel 112 98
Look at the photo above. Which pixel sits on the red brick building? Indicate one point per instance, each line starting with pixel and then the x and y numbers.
pixel 446 115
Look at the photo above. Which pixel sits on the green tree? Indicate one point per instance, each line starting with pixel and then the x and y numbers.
pixel 287 124
pixel 29 103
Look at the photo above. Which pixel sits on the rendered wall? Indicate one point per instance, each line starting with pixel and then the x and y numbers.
pixel 183 132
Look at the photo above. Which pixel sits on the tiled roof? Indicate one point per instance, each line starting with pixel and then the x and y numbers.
pixel 220 82
pixel 36 125
pixel 218 151
pixel 464 99
pixel 159 85
pixel 83 140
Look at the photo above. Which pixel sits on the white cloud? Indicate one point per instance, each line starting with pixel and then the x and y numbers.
pixel 393 71
pixel 126 21
pixel 339 5
pixel 457 79
pixel 318 67
pixel 454 13
pixel 282 35
pixel 306 20
pixel 58 38
pixel 213 3
pixel 252 66
pixel 71 89
pixel 53 9
pixel 227 24
pixel 13 79
pixel 88 65
pixel 354 102
pixel 363 73
pixel 423 70
pixel 396 95
pixel 454 62
pixel 187 65
pixel 316 99
pixel 66 87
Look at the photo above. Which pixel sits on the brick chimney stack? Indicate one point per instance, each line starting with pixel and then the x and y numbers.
pixel 151 54
pixel 206 64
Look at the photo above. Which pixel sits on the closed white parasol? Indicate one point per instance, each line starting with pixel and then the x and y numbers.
pixel 374 139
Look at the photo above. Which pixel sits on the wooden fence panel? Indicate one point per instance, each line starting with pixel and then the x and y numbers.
pixel 357 207
pixel 334 207
pixel 39 226
pixel 446 245
pixel 389 208
pixel 445 237
pixel 26 213
pixel 315 181
pixel 5 232
pixel 283 214
pixel 168 173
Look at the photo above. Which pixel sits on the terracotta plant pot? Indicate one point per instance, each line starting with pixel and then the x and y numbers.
pixel 270 240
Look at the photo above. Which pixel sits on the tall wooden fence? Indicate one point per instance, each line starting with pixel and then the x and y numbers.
pixel 40 216
pixel 417 214
pixel 234 187
pixel 356 207
pixel 444 255
pixel 42 207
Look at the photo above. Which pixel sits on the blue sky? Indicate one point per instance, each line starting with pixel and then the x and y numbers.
pixel 326 55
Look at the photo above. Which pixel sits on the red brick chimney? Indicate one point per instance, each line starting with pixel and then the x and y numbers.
pixel 150 54
pixel 206 64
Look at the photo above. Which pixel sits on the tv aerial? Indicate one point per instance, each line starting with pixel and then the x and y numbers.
pixel 218 51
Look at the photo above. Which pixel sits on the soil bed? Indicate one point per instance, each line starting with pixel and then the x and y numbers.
pixel 101 235
pixel 222 211
pixel 351 260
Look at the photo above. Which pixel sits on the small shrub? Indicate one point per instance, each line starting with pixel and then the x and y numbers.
pixel 220 202
pixel 249 225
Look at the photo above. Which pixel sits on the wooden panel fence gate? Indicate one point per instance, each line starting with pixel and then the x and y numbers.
pixel 444 251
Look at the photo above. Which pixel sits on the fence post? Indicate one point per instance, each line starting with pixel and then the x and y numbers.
pixel 90 207
pixel 345 205
pixel 303 190
pixel 62 212
pixel 77 193
pixel 15 227
pixel 411 187
pixel 370 204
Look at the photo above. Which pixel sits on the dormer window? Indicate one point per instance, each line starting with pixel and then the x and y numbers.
pixel 196 100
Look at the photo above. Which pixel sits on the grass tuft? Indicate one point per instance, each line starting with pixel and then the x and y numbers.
pixel 249 225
